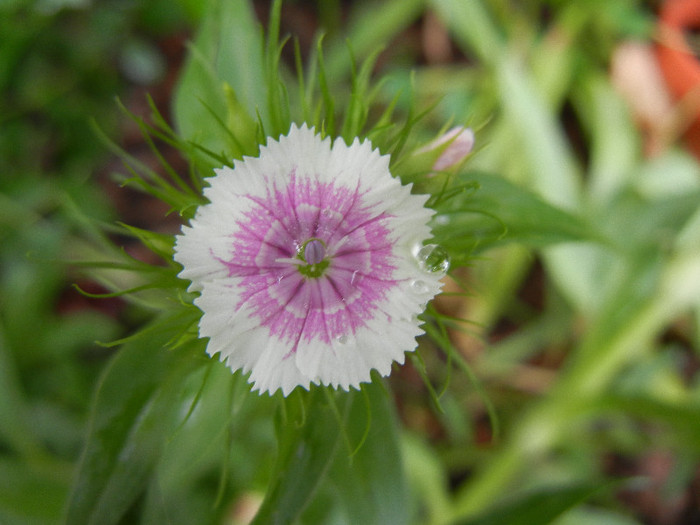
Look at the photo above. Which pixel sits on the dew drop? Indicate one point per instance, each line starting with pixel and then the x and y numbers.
pixel 433 259
pixel 342 339
pixel 416 247
pixel 419 286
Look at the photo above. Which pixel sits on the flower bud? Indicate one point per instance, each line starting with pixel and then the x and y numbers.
pixel 460 142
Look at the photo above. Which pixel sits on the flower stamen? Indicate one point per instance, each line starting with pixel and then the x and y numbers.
pixel 313 253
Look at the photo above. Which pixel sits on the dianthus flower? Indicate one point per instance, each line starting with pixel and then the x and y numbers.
pixel 305 260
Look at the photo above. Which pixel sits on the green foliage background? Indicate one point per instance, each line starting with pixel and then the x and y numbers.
pixel 151 431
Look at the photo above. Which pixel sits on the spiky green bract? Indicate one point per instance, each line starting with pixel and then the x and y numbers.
pixel 231 98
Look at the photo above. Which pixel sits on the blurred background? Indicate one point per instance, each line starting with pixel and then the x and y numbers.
pixel 587 355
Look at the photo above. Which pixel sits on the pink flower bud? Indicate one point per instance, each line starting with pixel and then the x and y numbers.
pixel 460 142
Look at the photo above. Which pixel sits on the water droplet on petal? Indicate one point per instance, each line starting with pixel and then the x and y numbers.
pixel 342 339
pixel 434 259
pixel 419 286
pixel 416 247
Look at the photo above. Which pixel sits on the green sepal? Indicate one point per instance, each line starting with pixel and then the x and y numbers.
pixel 159 243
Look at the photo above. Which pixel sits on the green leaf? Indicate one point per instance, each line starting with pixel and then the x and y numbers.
pixel 131 419
pixel 374 475
pixel 615 148
pixel 32 494
pixel 553 172
pixel 428 478
pixel 537 507
pixel 681 417
pixel 500 211
pixel 368 469
pixel 316 476
pixel 373 25
pixel 472 26
pixel 228 50
pixel 360 99
pixel 159 243
pixel 308 437
pixel 586 515
pixel 276 91
pixel 226 433
pixel 15 431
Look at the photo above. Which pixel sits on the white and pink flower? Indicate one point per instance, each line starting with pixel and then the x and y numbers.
pixel 305 262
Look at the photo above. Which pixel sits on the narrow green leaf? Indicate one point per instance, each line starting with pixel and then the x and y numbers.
pixel 307 444
pixel 552 169
pixel 299 69
pixel 473 27
pixel 360 99
pixel 276 91
pixel 615 148
pixel 120 293
pixel 328 100
pixel 373 25
pixel 15 430
pixel 502 211
pixel 537 507
pixel 227 50
pixel 374 475
pixel 681 417
pixel 441 337
pixel 32 494
pixel 419 365
pixel 159 243
pixel 240 126
pixel 132 416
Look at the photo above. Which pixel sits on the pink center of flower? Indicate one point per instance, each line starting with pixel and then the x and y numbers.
pixel 313 261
